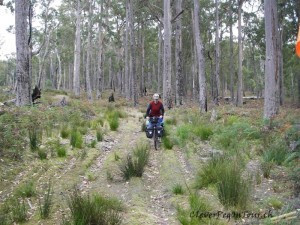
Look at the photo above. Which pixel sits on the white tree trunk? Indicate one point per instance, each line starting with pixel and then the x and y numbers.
pixel 23 94
pixel 239 99
pixel 88 55
pixel 217 42
pixel 201 62
pixel 271 104
pixel 76 77
pixel 178 56
pixel 167 92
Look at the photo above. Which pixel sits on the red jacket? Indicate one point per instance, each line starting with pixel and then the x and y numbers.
pixel 155 109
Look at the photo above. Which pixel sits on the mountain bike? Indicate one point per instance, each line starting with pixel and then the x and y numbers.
pixel 157 131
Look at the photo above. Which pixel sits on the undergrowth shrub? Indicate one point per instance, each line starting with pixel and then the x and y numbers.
pixel 76 139
pixel 42 154
pixel 235 136
pixel 233 190
pixel 167 143
pixel 46 203
pixel 99 134
pixel 26 189
pixel 65 132
pixel 35 136
pixel 61 151
pixel 211 172
pixel 193 215
pixel 18 210
pixel 177 189
pixel 134 165
pixel 94 209
pixel 203 131
pixel 276 153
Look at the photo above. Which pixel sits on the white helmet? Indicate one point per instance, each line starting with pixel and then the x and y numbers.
pixel 156 96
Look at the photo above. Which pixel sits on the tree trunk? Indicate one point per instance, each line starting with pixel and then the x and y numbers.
pixel 88 55
pixel 23 94
pixel 127 72
pixel 76 78
pixel 239 97
pixel 178 55
pixel 231 63
pixel 159 57
pixel 271 104
pixel 217 55
pixel 167 93
pixel 59 75
pixel 200 59
pixel 132 54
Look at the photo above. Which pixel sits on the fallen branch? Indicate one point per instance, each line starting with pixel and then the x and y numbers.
pixel 287 216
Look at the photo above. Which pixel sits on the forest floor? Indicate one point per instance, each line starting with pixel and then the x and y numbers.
pixel 146 200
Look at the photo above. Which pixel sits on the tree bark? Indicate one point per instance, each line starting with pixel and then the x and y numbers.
pixel 178 56
pixel 23 94
pixel 167 93
pixel 132 54
pixel 239 99
pixel 217 55
pixel 88 54
pixel 200 59
pixel 271 104
pixel 76 77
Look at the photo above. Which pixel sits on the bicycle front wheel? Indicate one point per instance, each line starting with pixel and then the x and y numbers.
pixel 155 139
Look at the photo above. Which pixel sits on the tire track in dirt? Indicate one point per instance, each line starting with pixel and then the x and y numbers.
pixel 146 199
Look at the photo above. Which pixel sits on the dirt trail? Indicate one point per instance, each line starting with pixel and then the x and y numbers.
pixel 148 200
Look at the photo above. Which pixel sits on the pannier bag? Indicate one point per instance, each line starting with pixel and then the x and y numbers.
pixel 149 133
pixel 160 131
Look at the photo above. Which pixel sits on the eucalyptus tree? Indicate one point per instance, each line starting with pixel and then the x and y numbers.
pixel 167 92
pixel 217 88
pixel 23 94
pixel 89 51
pixel 77 51
pixel 200 60
pixel 271 103
pixel 178 55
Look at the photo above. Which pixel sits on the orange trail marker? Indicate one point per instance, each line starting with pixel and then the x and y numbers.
pixel 298 43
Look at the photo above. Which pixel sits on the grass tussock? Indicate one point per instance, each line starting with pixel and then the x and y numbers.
pixel 26 190
pixel 46 203
pixel 134 165
pixel 94 209
pixel 193 215
pixel 226 175
pixel 76 140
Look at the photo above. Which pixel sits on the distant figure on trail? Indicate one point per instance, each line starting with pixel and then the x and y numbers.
pixel 36 93
pixel 111 98
pixel 155 109
pixel 145 91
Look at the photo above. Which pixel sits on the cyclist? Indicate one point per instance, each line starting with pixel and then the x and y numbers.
pixel 155 108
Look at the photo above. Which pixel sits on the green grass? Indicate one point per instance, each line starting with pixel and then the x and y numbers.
pixel 276 153
pixel 18 210
pixel 177 189
pixel 42 154
pixel 203 131
pixel 26 189
pixel 35 137
pixel 134 165
pixel 99 134
pixel 233 190
pixel 65 132
pixel 61 151
pixel 94 209
pixel 193 216
pixel 211 172
pixel 46 203
pixel 76 140
pixel 167 143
